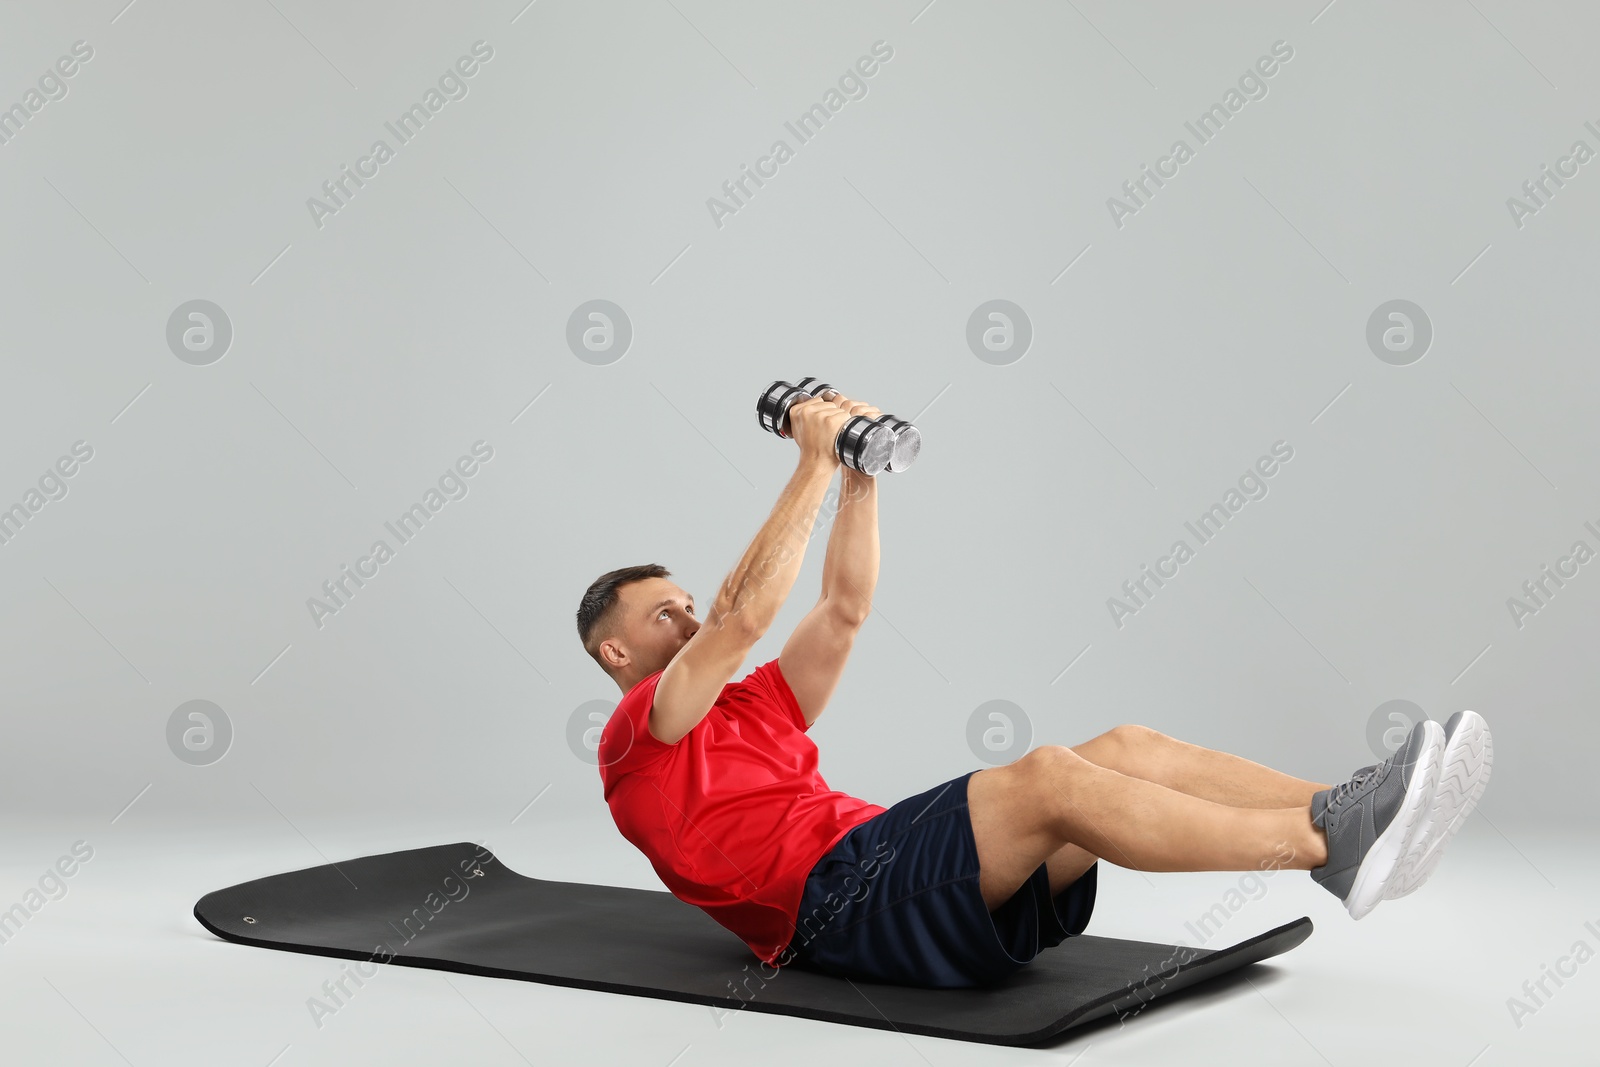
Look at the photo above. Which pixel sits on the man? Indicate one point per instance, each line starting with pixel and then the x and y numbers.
pixel 716 782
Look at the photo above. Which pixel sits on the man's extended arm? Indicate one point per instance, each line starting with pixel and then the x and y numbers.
pixel 756 588
pixel 850 570
pixel 814 657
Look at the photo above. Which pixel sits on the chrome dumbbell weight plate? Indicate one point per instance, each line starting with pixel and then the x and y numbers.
pixel 907 443
pixel 865 445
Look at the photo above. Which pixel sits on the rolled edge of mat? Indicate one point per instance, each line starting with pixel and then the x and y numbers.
pixel 1207 963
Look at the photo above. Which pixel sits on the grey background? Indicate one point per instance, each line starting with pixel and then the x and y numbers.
pixel 1168 354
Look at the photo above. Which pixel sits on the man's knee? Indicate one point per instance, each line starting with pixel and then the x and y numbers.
pixel 1132 737
pixel 1048 766
pixel 1123 748
pixel 1031 791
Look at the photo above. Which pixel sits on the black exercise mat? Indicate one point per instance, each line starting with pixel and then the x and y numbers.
pixel 456 908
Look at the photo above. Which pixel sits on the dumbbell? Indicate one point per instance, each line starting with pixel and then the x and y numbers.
pixel 907 438
pixel 868 445
pixel 907 442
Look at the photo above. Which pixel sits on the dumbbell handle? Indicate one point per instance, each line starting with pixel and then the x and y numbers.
pixel 827 392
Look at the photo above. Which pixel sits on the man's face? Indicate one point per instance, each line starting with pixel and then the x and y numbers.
pixel 659 620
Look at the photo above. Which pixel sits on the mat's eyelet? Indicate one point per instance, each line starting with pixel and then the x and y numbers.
pixel 249 919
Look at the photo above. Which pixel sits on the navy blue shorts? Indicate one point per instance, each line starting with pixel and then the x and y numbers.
pixel 897 900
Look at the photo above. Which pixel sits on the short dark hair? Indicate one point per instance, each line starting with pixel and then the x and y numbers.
pixel 597 612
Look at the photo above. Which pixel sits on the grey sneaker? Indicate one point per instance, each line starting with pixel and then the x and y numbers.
pixel 1463 776
pixel 1371 820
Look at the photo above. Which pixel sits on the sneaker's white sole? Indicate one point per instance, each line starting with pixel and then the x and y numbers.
pixel 1393 854
pixel 1463 776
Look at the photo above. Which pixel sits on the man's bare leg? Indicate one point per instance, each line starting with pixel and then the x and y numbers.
pixel 1213 775
pixel 1201 772
pixel 1066 865
pixel 1025 812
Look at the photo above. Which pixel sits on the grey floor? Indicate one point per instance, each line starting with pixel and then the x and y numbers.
pixel 117 971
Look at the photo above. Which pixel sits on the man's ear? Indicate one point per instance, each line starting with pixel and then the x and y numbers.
pixel 613 653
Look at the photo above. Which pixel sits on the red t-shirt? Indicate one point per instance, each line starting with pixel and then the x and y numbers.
pixel 734 816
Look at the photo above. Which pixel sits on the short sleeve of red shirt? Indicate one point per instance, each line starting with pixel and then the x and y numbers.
pixel 734 816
